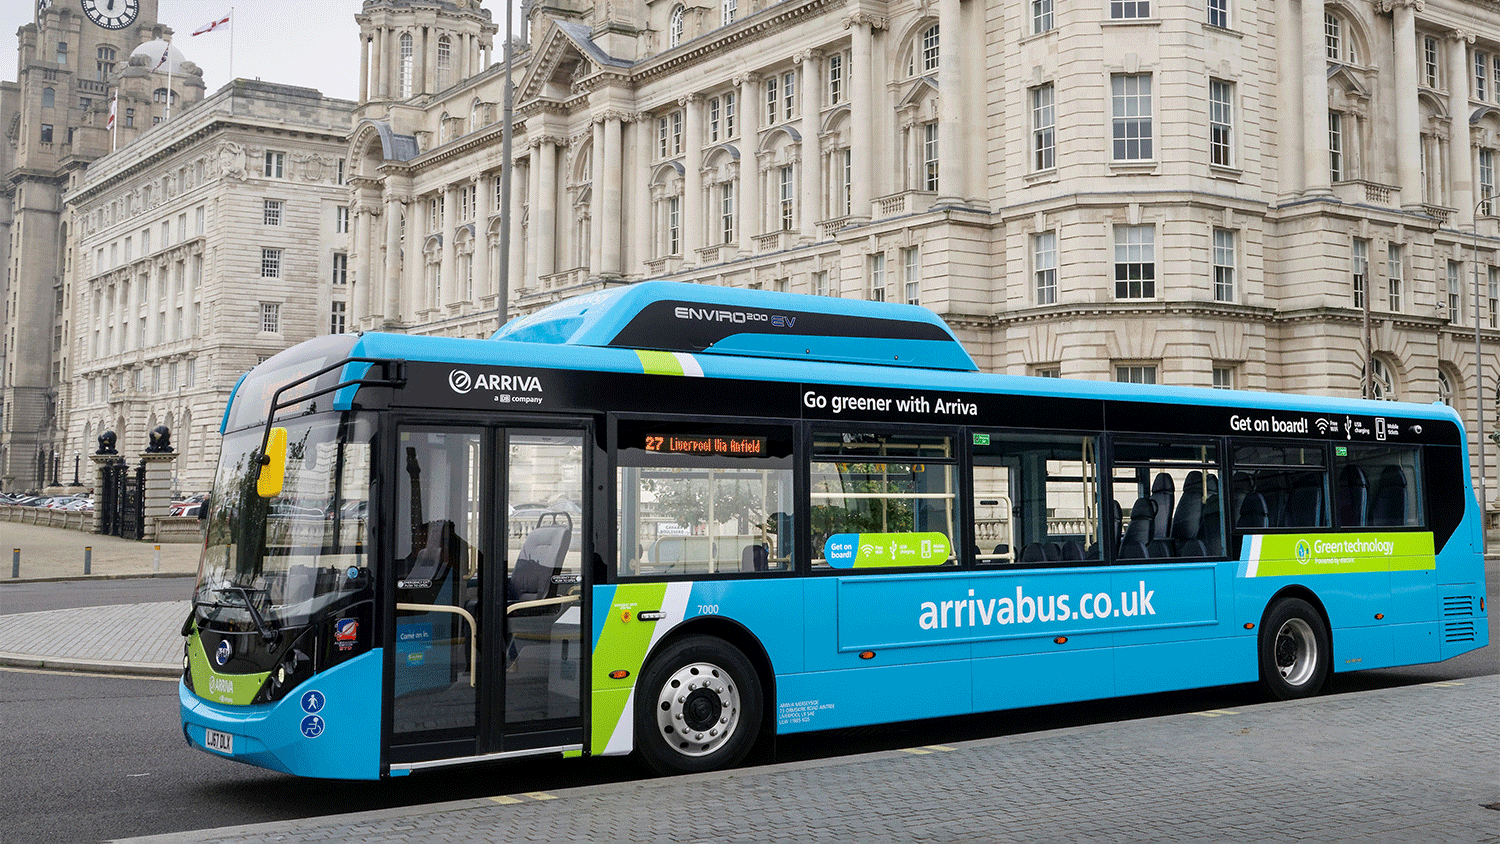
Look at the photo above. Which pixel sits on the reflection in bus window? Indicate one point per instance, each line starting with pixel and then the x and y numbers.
pixel 1168 497
pixel 900 487
pixel 704 499
pixel 1035 498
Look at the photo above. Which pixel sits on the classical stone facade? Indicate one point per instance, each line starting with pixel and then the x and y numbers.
pixel 56 121
pixel 198 251
pixel 1257 194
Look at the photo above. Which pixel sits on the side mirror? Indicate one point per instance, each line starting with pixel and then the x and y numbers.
pixel 272 465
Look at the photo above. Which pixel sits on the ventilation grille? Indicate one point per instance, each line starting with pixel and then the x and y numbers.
pixel 1458 618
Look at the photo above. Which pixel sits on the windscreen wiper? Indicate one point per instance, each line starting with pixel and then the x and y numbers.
pixel 268 632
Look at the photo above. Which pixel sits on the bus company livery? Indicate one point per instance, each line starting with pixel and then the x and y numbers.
pixel 676 521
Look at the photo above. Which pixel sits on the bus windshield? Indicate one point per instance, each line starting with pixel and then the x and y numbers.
pixel 280 562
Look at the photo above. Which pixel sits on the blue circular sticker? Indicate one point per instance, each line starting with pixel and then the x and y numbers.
pixel 313 701
pixel 352 573
pixel 312 726
pixel 223 652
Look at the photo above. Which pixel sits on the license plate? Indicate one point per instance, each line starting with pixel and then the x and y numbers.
pixel 215 740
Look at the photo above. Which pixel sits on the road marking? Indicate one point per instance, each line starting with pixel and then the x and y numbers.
pixel 506 801
pixel 1214 713
pixel 1445 684
pixel 923 751
pixel 539 795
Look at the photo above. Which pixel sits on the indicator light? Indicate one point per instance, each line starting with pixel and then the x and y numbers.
pixel 1060 640
pixel 1379 616
pixel 618 674
pixel 866 654
pixel 1249 625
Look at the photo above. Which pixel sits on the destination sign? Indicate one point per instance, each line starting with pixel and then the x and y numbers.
pixel 708 445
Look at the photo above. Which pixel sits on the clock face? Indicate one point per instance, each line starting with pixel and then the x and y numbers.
pixel 112 14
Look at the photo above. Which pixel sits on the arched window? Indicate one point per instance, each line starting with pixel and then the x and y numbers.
pixel 1338 40
pixel 62 52
pixel 1382 380
pixel 160 95
pixel 1444 388
pixel 405 65
pixel 674 26
pixel 444 60
pixel 49 98
pixel 930 49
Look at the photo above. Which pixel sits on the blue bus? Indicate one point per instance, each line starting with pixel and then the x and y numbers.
pixel 677 521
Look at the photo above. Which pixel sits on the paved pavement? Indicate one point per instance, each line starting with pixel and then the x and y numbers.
pixel 1405 764
pixel 1412 763
pixel 49 553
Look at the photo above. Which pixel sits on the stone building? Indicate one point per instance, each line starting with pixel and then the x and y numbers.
pixel 204 247
pixel 56 121
pixel 1260 194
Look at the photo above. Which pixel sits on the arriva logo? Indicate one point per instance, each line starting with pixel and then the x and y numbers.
pixel 462 382
pixel 220 686
pixel 1303 551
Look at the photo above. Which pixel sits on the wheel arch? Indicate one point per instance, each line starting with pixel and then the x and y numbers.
pixel 1297 590
pixel 746 642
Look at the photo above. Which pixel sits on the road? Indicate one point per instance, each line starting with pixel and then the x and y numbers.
pixel 92 758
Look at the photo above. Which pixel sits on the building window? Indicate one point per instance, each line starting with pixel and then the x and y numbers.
pixel 275 165
pixel 1041 16
pixel 1487 181
pixel 773 97
pixel 1224 264
pixel 162 95
pixel 930 54
pixel 844 160
pixel 46 133
pixel 835 78
pixel 1044 267
pixel 930 156
pixel 338 172
pixel 1223 378
pixel 104 64
pixel 1430 65
pixel 341 219
pixel 1135 262
pixel 1043 128
pixel 674 225
pixel 1218 13
pixel 1444 388
pixel 1129 9
pixel 1131 107
pixel 270 263
pixel 404 69
pixel 49 98
pixel 677 133
pixel 271 215
pixel 1382 381
pixel 789 95
pixel 444 61
pixel 1333 37
pixel 1454 291
pixel 1135 373
pixel 1047 371
pixel 726 211
pixel 270 317
pixel 877 277
pixel 340 268
pixel 336 323
pixel 911 274
pixel 786 191
pixel 62 53
pixel 129 118
pixel 1395 272
pixel 1492 293
pixel 1336 146
pixel 820 283
pixel 1359 268
pixel 729 115
pixel 728 12
pixel 674 26
pixel 713 120
pixel 1481 73
pixel 1220 123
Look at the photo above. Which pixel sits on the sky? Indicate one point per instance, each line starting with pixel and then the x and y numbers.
pixel 312 43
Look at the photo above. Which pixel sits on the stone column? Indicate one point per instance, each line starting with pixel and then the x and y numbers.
pixel 812 160
pixel 520 254
pixel 101 462
pixel 377 65
pixel 364 68
pixel 953 173
pixel 533 191
pixel 484 196
pixel 447 225
pixel 1460 158
pixel 419 67
pixel 363 271
pixel 1316 180
pixel 1408 125
pixel 751 217
pixel 692 181
pixel 596 200
pixel 156 493
pixel 862 113
pixel 544 210
pixel 611 217
pixel 391 283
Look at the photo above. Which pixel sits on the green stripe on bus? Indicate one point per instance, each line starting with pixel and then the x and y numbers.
pixel 233 689
pixel 659 363
pixel 1355 553
pixel 623 642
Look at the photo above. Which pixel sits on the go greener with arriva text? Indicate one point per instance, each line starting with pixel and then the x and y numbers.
pixel 1025 609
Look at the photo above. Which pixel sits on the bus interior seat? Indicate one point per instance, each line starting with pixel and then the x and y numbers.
pixel 1212 531
pixel 1072 551
pixel 1240 485
pixel 1275 488
pixel 754 557
pixel 1353 496
pixel 1388 507
pixel 1187 521
pixel 1304 505
pixel 538 562
pixel 1163 490
pixel 1034 552
pixel 441 548
pixel 1002 550
pixel 1138 532
pixel 1253 512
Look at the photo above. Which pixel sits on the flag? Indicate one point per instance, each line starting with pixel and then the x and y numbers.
pixel 43 5
pixel 211 25
pixel 110 125
pixel 165 55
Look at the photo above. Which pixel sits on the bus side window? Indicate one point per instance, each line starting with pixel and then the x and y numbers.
pixel 1171 497
pixel 1376 485
pixel 1036 499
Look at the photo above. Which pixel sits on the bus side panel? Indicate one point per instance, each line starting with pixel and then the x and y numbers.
pixel 326 727
pixel 824 700
pixel 1038 679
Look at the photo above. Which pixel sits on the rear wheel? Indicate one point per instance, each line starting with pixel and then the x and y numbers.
pixel 698 707
pixel 1295 650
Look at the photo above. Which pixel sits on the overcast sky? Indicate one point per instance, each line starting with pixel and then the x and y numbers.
pixel 314 43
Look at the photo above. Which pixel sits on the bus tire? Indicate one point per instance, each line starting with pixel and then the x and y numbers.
pixel 1295 650
pixel 698 707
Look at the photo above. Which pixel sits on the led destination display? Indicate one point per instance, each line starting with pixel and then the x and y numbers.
pixel 720 445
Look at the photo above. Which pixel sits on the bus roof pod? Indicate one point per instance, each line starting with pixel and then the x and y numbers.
pixel 674 316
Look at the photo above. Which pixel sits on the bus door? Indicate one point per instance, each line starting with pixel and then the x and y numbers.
pixel 486 648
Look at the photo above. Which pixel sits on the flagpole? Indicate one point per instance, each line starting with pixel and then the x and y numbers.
pixel 231 43
pixel 114 121
pixel 168 59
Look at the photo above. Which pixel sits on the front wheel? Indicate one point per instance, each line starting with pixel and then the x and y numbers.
pixel 1295 650
pixel 698 707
